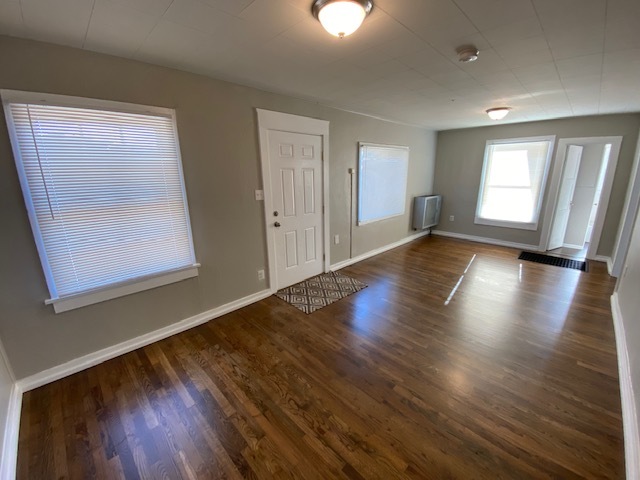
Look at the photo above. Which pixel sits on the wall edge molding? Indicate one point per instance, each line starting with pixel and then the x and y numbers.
pixel 490 241
pixel 377 251
pixel 610 266
pixel 8 462
pixel 74 366
pixel 629 414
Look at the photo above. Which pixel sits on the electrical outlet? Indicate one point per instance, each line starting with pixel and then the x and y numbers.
pixel 336 239
pixel 260 274
pixel 451 218
pixel 259 195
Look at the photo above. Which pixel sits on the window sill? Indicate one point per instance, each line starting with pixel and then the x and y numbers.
pixel 71 302
pixel 506 224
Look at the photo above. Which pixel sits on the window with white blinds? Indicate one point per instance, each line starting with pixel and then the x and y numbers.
pixel 382 182
pixel 513 179
pixel 104 189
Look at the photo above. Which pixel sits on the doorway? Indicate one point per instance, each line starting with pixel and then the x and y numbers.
pixel 295 181
pixel 581 185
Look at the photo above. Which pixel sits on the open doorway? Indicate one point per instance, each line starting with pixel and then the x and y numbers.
pixel 581 186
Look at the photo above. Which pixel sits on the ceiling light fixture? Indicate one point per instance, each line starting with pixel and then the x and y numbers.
pixel 467 54
pixel 341 17
pixel 498 113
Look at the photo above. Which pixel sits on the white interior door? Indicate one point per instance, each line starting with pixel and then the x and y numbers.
pixel 565 196
pixel 296 224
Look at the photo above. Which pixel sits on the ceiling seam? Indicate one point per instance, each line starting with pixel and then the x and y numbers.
pixel 86 32
pixel 604 44
pixel 500 56
pixel 135 53
pixel 555 65
pixel 426 42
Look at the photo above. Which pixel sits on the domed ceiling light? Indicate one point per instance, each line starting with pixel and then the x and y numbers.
pixel 498 113
pixel 467 54
pixel 341 17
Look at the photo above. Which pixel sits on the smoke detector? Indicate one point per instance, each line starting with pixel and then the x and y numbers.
pixel 468 54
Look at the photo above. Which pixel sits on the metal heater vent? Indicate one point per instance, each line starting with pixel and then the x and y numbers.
pixel 426 211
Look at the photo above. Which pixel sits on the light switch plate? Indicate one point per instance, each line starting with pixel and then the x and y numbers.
pixel 259 195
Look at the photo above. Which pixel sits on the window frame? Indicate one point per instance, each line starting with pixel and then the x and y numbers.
pixel 543 183
pixel 63 303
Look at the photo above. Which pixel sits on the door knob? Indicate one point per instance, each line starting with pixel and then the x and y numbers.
pixel 277 224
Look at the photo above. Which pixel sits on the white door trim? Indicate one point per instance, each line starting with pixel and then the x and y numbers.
pixel 631 207
pixel 554 189
pixel 285 122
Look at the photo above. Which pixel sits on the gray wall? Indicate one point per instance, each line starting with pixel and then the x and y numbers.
pixel 629 302
pixel 459 168
pixel 218 137
pixel 586 184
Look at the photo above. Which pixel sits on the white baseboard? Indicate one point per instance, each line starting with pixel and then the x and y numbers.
pixel 490 241
pixel 95 358
pixel 605 259
pixel 8 462
pixel 629 414
pixel 377 251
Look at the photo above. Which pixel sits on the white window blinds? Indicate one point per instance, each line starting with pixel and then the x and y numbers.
pixel 105 194
pixel 513 181
pixel 382 185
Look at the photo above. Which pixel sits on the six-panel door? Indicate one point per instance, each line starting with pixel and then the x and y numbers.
pixel 296 223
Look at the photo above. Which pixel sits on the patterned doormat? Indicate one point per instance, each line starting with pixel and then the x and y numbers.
pixel 320 291
pixel 555 261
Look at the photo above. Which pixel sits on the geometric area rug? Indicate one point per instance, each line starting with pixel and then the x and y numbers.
pixel 320 291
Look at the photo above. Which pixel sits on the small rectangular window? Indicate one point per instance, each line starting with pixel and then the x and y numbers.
pixel 382 186
pixel 513 178
pixel 104 189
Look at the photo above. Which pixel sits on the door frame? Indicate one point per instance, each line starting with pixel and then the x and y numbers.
pixel 627 221
pixel 269 120
pixel 554 190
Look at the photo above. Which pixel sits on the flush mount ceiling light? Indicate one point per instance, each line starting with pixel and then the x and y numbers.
pixel 498 113
pixel 341 17
pixel 467 54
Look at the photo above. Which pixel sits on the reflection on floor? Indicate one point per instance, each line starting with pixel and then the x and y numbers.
pixel 459 361
pixel 572 253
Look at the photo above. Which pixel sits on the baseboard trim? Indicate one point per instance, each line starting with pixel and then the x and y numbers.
pixel 490 241
pixel 629 414
pixel 377 251
pixel 8 462
pixel 95 358
pixel 604 259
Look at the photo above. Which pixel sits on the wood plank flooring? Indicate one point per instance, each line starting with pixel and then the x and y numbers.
pixel 458 362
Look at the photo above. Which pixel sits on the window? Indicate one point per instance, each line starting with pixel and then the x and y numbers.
pixel 103 185
pixel 382 187
pixel 513 178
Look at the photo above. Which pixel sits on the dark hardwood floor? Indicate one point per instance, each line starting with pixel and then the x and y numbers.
pixel 512 375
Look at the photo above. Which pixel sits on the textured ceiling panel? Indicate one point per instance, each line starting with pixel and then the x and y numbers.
pixel 545 58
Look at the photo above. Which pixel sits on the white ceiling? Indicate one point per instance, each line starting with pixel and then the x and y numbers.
pixel 545 58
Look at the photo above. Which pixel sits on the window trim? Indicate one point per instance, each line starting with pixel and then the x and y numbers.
pixel 115 290
pixel 506 223
pixel 64 303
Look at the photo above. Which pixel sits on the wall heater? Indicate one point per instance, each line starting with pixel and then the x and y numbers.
pixel 426 211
